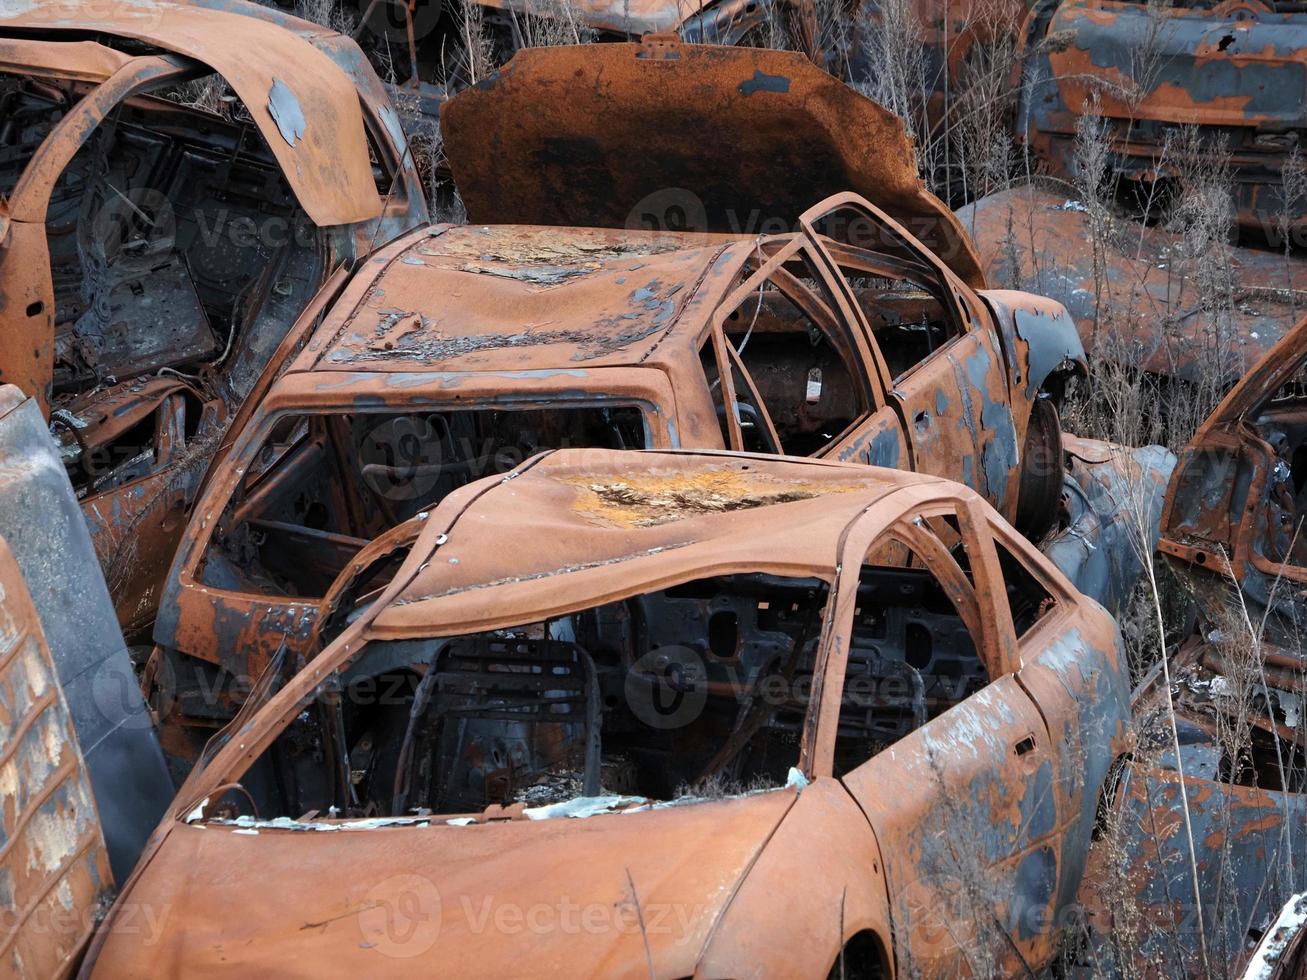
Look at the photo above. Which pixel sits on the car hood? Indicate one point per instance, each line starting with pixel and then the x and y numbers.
pixel 306 107
pixel 541 897
pixel 670 136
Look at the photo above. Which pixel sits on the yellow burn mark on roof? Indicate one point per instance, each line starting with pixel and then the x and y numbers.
pixel 547 246
pixel 647 500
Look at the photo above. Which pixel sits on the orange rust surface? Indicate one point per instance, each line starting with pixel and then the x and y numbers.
pixel 327 166
pixel 770 132
pixel 646 501
pixel 529 316
pixel 54 868
pixel 313 99
pixel 1213 525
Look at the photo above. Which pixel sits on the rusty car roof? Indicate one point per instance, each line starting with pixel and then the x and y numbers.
pixel 306 105
pixel 505 297
pixel 579 527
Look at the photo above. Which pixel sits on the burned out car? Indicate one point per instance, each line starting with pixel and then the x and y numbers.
pixel 460 350
pixel 177 182
pixel 1235 506
pixel 1235 71
pixel 668 687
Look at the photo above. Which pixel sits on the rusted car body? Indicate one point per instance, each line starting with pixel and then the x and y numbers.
pixel 1233 516
pixel 153 252
pixel 1234 70
pixel 459 351
pixel 54 866
pixel 1112 500
pixel 685 137
pixel 1215 790
pixel 1145 307
pixel 1236 788
pixel 897 697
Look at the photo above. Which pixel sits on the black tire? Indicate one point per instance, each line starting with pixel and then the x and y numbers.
pixel 1040 495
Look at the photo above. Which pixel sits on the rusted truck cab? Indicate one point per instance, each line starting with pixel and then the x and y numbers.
pixel 178 182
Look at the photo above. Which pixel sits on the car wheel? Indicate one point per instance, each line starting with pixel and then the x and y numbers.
pixel 1040 494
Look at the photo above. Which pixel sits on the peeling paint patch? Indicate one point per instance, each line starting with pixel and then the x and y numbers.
pixel 286 112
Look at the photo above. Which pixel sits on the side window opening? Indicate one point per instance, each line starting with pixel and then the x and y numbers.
pixel 321 487
pixel 909 324
pixel 750 412
pixel 1027 598
pixel 912 653
pixel 694 690
pixel 1279 535
pixel 802 362
pixel 909 309
pixel 713 379
pixel 101 455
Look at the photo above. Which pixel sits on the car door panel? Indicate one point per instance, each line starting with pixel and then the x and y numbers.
pixel 953 398
pixel 1073 668
pixel 1085 699
pixel 877 440
pixel 965 812
pixel 958 418
pixel 965 806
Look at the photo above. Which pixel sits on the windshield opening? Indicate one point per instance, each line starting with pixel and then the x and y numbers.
pixel 697 690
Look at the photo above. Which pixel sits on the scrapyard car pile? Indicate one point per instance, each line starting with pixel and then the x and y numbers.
pixel 694 527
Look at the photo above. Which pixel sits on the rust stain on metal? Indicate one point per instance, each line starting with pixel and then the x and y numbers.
pixel 1232 510
pixel 460 351
pixel 1146 308
pixel 55 880
pixel 642 137
pixel 1234 71
pixel 636 502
